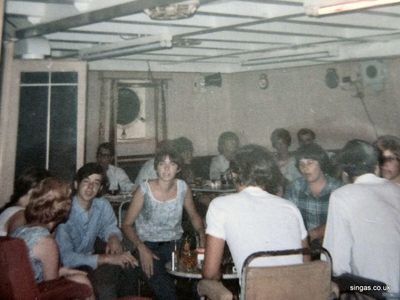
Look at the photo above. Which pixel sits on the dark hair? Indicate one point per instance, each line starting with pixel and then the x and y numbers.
pixel 107 146
pixel 182 144
pixel 170 151
pixel 256 166
pixel 28 179
pixel 304 131
pixel 225 136
pixel 358 157
pixel 92 168
pixel 389 142
pixel 314 152
pixel 88 169
pixel 280 133
pixel 49 202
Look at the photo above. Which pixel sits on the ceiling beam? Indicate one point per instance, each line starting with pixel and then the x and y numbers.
pixel 91 17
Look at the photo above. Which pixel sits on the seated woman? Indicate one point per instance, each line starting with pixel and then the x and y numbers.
pixel 153 222
pixel 49 204
pixel 12 214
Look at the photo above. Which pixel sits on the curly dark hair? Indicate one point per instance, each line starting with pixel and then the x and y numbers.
pixel 389 142
pixel 358 157
pixel 170 151
pixel 254 165
pixel 314 152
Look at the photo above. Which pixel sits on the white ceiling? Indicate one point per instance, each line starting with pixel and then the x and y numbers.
pixel 223 36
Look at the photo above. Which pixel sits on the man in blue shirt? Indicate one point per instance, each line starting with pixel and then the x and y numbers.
pixel 112 273
pixel 311 191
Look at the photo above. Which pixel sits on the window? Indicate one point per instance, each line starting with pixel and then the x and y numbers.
pixel 47 126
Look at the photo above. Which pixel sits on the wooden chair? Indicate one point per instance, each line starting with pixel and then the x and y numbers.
pixel 306 281
pixel 17 281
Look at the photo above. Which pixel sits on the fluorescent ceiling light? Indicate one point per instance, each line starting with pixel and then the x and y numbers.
pixel 134 46
pixel 173 11
pixel 324 7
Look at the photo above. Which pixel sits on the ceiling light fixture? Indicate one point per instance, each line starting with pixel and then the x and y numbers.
pixel 317 8
pixel 174 11
pixel 135 46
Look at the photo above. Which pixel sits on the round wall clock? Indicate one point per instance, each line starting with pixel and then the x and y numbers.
pixel 263 81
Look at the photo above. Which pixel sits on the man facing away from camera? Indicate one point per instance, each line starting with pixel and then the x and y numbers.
pixel 363 226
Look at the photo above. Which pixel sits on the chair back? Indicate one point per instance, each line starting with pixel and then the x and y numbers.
pixel 306 281
pixel 17 280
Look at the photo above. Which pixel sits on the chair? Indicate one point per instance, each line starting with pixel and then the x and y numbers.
pixel 17 280
pixel 306 281
pixel 122 210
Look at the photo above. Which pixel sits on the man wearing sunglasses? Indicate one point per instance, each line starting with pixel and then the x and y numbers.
pixel 389 145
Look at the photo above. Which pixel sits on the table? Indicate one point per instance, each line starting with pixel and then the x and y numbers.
pixel 228 189
pixel 118 202
pixel 204 194
pixel 195 274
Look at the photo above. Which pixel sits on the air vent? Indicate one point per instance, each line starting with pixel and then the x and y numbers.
pixel 373 74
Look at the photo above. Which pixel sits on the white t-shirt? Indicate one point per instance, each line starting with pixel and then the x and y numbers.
pixel 117 177
pixel 5 216
pixel 218 166
pixel 147 172
pixel 363 230
pixel 254 220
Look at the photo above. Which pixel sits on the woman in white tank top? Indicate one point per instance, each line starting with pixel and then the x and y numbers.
pixel 153 221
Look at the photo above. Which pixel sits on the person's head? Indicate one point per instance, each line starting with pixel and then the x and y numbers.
pixel 358 157
pixel 89 181
pixel 389 146
pixel 281 140
pixel 167 162
pixel 49 203
pixel 312 162
pixel 254 165
pixel 105 154
pixel 305 136
pixel 184 147
pixel 28 179
pixel 228 143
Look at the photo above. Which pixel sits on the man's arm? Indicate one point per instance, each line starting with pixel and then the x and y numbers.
pixel 213 257
pixel 317 233
pixel 114 245
pixel 108 222
pixel 69 257
pixel 304 244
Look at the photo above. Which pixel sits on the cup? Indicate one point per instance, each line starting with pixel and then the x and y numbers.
pixel 200 258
